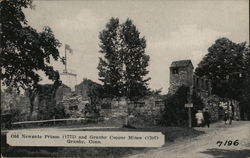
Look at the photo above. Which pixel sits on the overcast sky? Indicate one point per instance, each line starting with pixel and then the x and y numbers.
pixel 174 30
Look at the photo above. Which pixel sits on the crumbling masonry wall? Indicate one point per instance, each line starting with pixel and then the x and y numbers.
pixel 147 110
pixel 180 76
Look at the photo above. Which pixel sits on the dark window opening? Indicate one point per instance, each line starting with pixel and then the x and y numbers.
pixel 202 84
pixel 159 103
pixel 175 71
pixel 207 85
pixel 73 107
pixel 139 104
pixel 106 106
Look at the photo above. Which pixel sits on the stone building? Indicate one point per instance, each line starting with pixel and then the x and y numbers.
pixel 69 79
pixel 85 93
pixel 73 102
pixel 216 105
pixel 89 90
pixel 181 73
pixel 202 85
pixel 62 92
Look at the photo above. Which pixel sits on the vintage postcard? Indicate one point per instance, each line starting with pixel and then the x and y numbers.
pixel 125 78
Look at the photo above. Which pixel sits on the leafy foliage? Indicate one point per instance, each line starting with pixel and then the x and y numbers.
pixel 110 67
pixel 24 51
pixel 175 113
pixel 228 65
pixel 123 68
pixel 58 111
pixel 135 61
pixel 47 107
pixel 91 111
pixel 13 107
pixel 245 94
pixel 197 102
pixel 155 92
pixel 224 65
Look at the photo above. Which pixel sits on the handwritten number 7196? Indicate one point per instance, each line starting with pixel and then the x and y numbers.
pixel 228 143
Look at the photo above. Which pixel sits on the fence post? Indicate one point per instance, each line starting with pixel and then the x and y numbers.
pixel 54 120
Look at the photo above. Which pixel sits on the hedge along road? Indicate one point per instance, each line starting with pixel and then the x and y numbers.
pixel 220 141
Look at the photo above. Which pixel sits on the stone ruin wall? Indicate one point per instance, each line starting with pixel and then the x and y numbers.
pixel 115 108
pixel 74 106
pixel 147 110
pixel 184 77
pixel 203 88
pixel 212 104
pixel 144 110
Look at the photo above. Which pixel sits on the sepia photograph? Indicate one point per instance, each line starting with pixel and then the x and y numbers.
pixel 125 78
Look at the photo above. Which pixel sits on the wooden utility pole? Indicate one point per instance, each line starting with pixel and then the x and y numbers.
pixel 189 105
pixel 65 60
pixel 189 118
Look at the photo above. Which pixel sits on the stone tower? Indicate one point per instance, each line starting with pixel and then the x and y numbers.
pixel 69 79
pixel 181 73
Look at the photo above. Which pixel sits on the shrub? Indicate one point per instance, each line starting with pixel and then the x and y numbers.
pixel 175 114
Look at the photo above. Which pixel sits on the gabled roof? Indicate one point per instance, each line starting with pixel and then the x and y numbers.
pixel 181 63
pixel 88 82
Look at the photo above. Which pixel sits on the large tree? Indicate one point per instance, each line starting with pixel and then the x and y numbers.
pixel 110 66
pixel 224 65
pixel 124 66
pixel 135 61
pixel 25 51
pixel 245 89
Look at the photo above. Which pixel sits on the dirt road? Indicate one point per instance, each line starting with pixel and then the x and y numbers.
pixel 205 146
